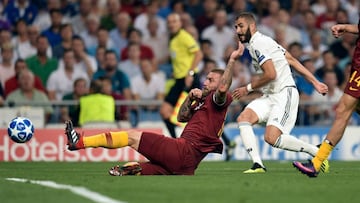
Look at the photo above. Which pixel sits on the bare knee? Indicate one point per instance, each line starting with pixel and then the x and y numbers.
pixel 272 134
pixel 270 139
pixel 134 138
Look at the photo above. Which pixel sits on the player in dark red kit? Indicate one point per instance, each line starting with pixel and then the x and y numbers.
pixel 205 112
pixel 349 102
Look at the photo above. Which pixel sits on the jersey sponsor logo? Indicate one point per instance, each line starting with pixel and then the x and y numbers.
pixel 259 56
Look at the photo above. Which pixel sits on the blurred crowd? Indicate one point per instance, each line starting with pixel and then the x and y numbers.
pixel 112 50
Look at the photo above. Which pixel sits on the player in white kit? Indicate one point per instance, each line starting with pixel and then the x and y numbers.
pixel 278 106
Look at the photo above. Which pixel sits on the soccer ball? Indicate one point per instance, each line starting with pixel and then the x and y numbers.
pixel 20 129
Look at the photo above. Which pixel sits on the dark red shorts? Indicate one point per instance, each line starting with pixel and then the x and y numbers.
pixel 168 156
pixel 353 86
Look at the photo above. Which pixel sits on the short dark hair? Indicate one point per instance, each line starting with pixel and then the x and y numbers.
pixel 218 70
pixel 249 17
pixel 96 86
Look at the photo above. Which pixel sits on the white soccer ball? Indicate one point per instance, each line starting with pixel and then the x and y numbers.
pixel 20 129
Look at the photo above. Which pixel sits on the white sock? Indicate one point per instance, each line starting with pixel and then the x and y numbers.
pixel 249 141
pixel 292 143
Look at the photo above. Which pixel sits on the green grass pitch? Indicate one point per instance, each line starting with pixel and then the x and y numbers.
pixel 215 182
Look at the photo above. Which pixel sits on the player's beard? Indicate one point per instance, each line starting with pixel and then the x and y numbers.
pixel 247 36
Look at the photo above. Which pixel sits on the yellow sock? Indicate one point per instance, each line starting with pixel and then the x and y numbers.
pixel 322 154
pixel 110 140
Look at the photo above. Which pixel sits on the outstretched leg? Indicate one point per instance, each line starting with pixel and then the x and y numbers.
pixel 109 140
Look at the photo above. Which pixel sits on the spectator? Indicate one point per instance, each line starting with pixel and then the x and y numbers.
pixel 280 35
pixel 186 20
pixel 164 8
pixel 292 34
pixel 13 83
pixel 121 112
pixel 324 109
pixel 305 89
pixel 318 7
pixel 157 42
pixel 296 50
pixel 28 93
pixel 96 106
pixel 178 6
pixel 66 34
pixel 53 32
pixel 6 66
pixel 309 27
pixel 135 36
pixel 142 20
pixel 29 48
pixel 61 81
pixel 207 49
pixel 194 8
pixel 40 64
pixel 119 33
pixel 88 35
pixel 237 6
pixel 68 8
pixel 4 23
pixel 120 82
pixel 6 37
pixel 146 86
pixel 352 9
pixel 330 64
pixel 328 18
pixel 78 21
pixel 43 19
pixel 83 61
pixel 131 66
pixel 108 21
pixel 103 40
pixel 100 57
pixel 241 76
pixel 20 9
pixel 297 13
pixel 219 34
pixel 133 7
pixel 207 19
pixel 272 18
pixel 315 49
pixel 207 65
pixel 21 37
pixel 72 112
pixel 342 48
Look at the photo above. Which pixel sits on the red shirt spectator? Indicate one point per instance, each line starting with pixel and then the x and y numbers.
pixel 12 83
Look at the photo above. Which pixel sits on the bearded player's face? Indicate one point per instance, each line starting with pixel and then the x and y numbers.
pixel 243 30
pixel 211 83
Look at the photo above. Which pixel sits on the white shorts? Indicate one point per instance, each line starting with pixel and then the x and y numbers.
pixel 279 109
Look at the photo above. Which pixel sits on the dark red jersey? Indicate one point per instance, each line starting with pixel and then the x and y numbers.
pixel 205 127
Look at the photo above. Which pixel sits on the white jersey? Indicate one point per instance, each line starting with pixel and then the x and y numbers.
pixel 263 48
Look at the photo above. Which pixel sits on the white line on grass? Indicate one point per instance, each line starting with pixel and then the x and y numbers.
pixel 94 196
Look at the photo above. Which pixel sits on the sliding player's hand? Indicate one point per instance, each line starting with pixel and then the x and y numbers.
pixel 239 92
